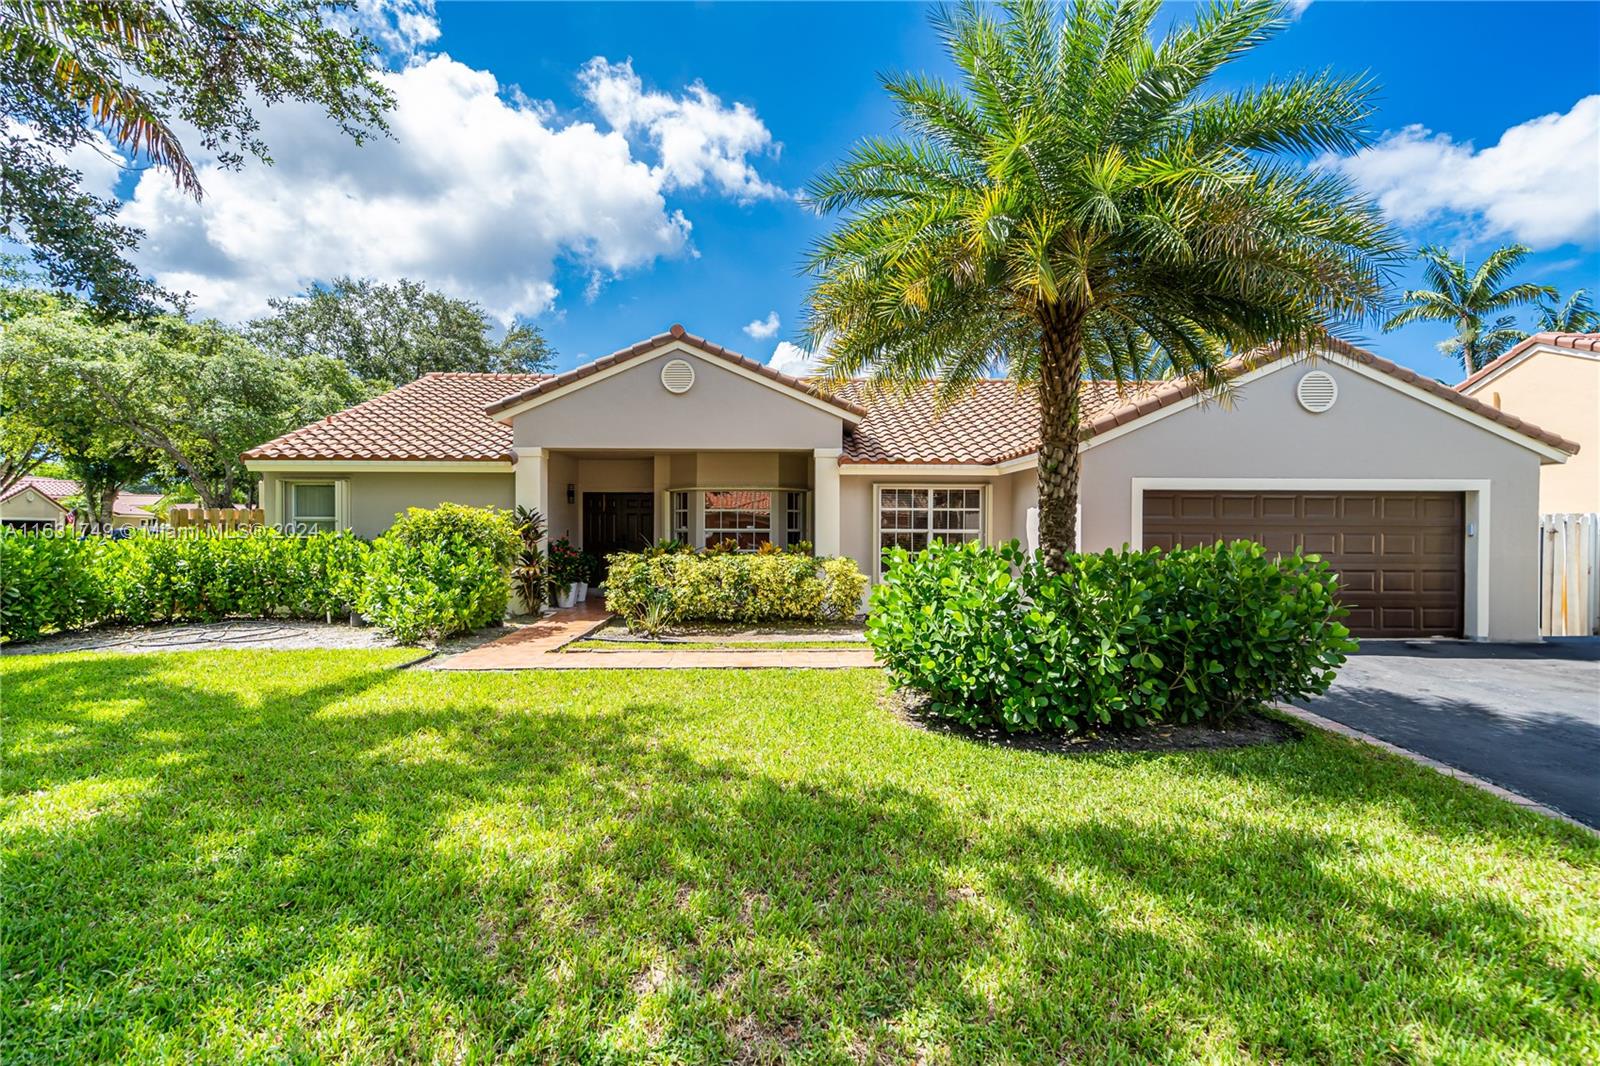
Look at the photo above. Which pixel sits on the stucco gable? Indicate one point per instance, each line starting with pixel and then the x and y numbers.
pixel 627 406
pixel 678 340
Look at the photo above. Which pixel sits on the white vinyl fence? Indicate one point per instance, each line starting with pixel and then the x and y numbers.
pixel 1569 574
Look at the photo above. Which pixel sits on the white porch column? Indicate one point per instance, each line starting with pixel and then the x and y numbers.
pixel 532 483
pixel 825 500
pixel 662 506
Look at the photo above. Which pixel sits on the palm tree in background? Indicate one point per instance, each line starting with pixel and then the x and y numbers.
pixel 1081 199
pixel 1466 298
pixel 1575 314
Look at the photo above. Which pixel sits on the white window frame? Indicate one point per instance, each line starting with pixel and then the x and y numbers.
pixel 726 533
pixel 878 530
pixel 685 532
pixel 340 514
pixel 805 515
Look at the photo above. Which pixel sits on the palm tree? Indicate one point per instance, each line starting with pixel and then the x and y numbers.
pixel 75 54
pixel 1575 314
pixel 1465 297
pixel 1082 198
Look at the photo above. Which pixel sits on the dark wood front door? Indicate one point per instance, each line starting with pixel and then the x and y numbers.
pixel 1399 555
pixel 617 522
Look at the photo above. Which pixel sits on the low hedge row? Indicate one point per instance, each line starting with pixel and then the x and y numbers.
pixel 994 638
pixel 435 573
pixel 685 587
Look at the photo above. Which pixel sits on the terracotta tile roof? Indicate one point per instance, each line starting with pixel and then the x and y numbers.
pixel 437 417
pixel 996 422
pixel 676 333
pixel 57 488
pixel 1578 342
pixel 447 417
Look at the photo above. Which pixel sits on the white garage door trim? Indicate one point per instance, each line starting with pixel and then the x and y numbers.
pixel 1475 607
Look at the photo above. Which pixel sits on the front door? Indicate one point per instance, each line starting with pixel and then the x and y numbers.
pixel 617 522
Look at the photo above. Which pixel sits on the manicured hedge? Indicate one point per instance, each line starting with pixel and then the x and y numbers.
pixel 57 582
pixel 688 587
pixel 1126 639
pixel 434 574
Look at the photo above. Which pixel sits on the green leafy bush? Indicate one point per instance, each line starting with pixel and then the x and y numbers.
pixel 441 572
pixel 482 529
pixel 59 582
pixel 427 592
pixel 724 586
pixel 993 638
pixel 48 582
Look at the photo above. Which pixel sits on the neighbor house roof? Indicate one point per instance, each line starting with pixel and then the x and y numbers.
pixel 1578 342
pixel 137 504
pixel 646 347
pixel 57 488
pixel 450 417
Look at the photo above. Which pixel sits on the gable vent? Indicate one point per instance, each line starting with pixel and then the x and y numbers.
pixel 1317 391
pixel 677 376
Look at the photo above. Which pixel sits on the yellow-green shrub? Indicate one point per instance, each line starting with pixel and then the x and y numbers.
pixel 730 587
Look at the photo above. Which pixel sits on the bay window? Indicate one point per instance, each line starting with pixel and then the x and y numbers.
pixel 743 516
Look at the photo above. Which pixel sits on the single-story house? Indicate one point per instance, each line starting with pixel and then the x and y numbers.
pixel 1553 379
pixel 1426 500
pixel 37 502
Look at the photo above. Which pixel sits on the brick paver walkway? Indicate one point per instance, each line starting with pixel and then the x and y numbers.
pixel 537 647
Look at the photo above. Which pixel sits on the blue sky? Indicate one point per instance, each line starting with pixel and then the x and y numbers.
pixel 606 201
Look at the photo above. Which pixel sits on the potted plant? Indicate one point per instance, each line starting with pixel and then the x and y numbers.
pixel 565 571
pixel 528 571
pixel 589 574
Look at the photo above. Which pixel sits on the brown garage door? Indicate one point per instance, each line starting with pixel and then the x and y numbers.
pixel 1398 554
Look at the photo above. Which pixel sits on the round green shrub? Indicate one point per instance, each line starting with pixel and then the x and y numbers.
pixel 1126 639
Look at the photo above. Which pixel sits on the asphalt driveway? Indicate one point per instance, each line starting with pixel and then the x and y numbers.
pixel 1524 716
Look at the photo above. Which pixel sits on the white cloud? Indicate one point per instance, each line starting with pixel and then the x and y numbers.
pixel 794 360
pixel 699 141
pixel 401 29
pixel 1537 185
pixel 762 328
pixel 1298 8
pixel 480 192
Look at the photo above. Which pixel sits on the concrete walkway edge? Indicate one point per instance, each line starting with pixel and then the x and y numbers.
pixel 1515 798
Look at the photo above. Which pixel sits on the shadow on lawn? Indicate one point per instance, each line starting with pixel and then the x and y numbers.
pixel 418 866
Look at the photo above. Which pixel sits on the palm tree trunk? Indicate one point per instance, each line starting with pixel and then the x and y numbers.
pixel 1060 388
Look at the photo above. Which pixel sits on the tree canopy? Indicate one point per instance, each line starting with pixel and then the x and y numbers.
pixel 192 396
pixel 1084 200
pixel 392 333
pixel 129 75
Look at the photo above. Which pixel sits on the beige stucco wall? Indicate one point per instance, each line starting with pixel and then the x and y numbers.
pixel 1373 433
pixel 1557 390
pixel 372 499
pixel 31 505
pixel 631 410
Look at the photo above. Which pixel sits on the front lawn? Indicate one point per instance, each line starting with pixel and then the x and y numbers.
pixel 301 855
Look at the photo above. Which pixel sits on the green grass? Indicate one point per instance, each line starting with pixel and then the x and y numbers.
pixel 591 644
pixel 301 856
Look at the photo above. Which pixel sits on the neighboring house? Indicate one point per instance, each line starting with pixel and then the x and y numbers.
pixel 1424 499
pixel 39 503
pixel 1554 380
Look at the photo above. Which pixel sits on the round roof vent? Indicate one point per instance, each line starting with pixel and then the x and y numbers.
pixel 1317 391
pixel 677 376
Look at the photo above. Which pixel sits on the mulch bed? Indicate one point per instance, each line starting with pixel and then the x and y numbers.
pixel 1242 731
